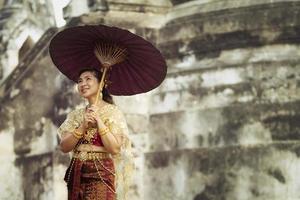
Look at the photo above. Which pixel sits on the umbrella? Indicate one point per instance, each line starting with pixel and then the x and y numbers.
pixel 129 64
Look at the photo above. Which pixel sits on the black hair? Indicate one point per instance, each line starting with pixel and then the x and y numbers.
pixel 105 93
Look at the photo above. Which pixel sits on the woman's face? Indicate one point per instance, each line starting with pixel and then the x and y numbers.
pixel 87 84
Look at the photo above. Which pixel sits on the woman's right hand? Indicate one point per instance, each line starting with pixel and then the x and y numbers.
pixel 88 120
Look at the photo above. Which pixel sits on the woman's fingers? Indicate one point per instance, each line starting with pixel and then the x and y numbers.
pixel 90 115
pixel 90 119
pixel 93 109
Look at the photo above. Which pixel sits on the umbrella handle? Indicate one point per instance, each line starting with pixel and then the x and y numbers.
pixel 101 84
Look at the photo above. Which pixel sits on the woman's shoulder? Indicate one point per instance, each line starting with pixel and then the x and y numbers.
pixel 116 108
pixel 76 112
pixel 112 109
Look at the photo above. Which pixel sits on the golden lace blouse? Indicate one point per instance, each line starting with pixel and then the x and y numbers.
pixel 110 115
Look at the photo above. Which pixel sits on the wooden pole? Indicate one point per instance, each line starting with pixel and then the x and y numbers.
pixel 101 84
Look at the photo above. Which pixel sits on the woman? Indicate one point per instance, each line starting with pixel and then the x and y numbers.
pixel 97 136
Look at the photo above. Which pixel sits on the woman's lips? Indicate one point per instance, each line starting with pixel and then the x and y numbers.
pixel 84 90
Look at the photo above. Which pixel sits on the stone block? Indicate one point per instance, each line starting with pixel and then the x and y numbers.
pixel 137 123
pixel 186 93
pixel 236 173
pixel 238 124
pixel 137 104
pixel 208 34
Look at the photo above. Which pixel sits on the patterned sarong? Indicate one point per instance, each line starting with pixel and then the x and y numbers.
pixel 91 180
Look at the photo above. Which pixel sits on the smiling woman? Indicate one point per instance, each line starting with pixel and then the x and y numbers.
pixel 96 135
pixel 130 65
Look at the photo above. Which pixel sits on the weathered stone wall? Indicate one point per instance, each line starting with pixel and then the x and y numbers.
pixel 19 21
pixel 223 125
pixel 27 131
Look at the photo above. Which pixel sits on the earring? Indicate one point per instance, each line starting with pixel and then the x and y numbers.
pixel 101 96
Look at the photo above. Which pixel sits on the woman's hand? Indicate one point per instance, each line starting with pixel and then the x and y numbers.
pixel 94 113
pixel 88 119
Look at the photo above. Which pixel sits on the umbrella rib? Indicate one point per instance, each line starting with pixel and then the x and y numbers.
pixel 114 52
pixel 120 52
pixel 109 53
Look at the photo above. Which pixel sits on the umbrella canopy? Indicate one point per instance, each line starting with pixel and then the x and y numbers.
pixel 143 69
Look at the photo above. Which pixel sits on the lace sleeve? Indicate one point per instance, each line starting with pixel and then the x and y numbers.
pixel 117 123
pixel 73 121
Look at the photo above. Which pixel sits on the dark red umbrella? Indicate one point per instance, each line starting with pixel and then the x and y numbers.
pixel 133 64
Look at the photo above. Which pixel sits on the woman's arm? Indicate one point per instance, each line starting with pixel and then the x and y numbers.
pixel 111 142
pixel 70 140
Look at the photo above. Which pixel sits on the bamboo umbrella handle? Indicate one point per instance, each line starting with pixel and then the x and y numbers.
pixel 101 84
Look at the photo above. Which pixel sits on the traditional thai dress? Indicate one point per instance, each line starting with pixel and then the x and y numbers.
pixel 98 175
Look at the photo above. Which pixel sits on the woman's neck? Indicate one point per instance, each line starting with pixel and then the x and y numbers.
pixel 100 102
pixel 92 100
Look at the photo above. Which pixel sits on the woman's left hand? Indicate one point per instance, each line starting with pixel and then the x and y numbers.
pixel 94 110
